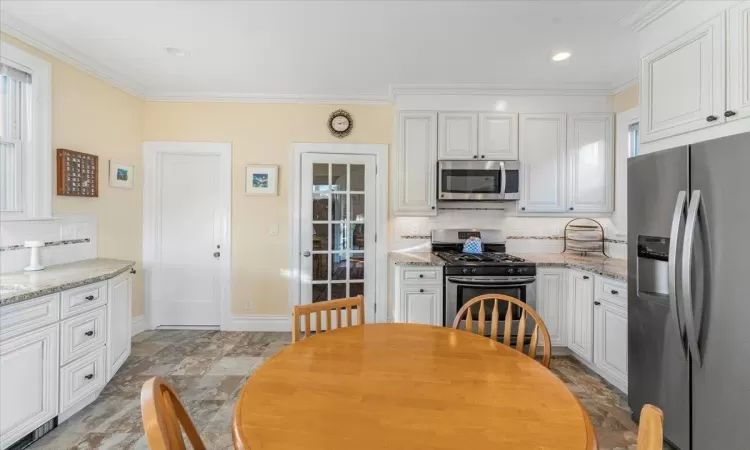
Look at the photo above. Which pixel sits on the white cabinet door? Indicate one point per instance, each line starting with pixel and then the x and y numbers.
pixel 611 341
pixel 457 136
pixel 682 83
pixel 416 173
pixel 119 321
pixel 29 372
pixel 581 314
pixel 422 304
pixel 738 75
pixel 590 163
pixel 542 155
pixel 551 303
pixel 498 136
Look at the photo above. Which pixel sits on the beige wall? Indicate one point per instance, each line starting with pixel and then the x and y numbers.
pixel 626 99
pixel 92 116
pixel 261 134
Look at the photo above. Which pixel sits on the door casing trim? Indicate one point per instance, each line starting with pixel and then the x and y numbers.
pixel 152 152
pixel 380 151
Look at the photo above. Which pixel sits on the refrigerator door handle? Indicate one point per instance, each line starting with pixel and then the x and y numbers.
pixel 679 212
pixel 693 333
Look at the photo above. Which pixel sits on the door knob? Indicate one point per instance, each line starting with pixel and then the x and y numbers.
pixel 217 254
pixel 711 118
pixel 89 333
pixel 597 303
pixel 89 376
pixel 89 297
pixel 585 277
pixel 306 254
pixel 729 114
pixel 614 292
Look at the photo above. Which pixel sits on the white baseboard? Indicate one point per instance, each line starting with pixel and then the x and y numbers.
pixel 139 325
pixel 277 322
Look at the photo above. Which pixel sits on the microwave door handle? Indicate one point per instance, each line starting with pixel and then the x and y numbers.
pixel 677 217
pixel 502 180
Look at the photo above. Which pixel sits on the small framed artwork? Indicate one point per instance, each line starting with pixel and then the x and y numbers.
pixel 261 180
pixel 121 175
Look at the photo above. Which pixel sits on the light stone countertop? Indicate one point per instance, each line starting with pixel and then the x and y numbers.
pixel 58 278
pixel 416 259
pixel 599 265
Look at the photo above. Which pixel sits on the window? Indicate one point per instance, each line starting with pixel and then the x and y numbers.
pixel 633 133
pixel 25 143
pixel 15 118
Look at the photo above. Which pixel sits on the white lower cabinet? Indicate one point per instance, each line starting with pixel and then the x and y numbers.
pixel 53 368
pixel 581 314
pixel 551 303
pixel 422 305
pixel 28 382
pixel 120 293
pixel 611 342
pixel 418 295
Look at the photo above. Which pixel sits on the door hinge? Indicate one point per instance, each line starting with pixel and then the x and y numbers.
pixel 376 308
pixel 376 169
pixel 376 237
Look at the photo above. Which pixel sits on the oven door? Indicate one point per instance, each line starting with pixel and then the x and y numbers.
pixel 460 290
pixel 471 180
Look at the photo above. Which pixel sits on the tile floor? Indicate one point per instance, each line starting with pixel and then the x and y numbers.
pixel 208 369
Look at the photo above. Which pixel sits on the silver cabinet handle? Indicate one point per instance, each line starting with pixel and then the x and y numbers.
pixel 692 324
pixel 306 254
pixel 679 212
pixel 502 180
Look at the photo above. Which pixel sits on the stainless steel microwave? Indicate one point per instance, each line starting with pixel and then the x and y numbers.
pixel 479 180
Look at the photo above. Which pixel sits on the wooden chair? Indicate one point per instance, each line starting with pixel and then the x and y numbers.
pixel 507 334
pixel 164 418
pixel 329 306
pixel 650 431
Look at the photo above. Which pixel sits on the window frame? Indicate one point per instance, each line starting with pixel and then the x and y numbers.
pixel 37 158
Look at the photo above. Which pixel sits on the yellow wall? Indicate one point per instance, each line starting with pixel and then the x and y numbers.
pixel 626 99
pixel 92 116
pixel 261 134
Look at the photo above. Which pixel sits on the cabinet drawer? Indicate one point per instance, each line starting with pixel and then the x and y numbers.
pixel 612 291
pixel 82 334
pixel 84 298
pixel 31 314
pixel 82 377
pixel 425 275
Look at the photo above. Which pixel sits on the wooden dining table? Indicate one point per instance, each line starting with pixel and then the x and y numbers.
pixel 407 386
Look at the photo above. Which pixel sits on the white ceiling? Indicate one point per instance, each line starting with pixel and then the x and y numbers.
pixel 343 49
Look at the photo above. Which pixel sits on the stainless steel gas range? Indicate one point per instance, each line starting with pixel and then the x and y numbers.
pixel 491 272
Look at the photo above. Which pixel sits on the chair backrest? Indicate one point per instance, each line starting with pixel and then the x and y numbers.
pixel 650 431
pixel 318 308
pixel 496 300
pixel 164 418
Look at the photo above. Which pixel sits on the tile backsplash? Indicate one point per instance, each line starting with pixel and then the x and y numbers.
pixel 69 238
pixel 523 234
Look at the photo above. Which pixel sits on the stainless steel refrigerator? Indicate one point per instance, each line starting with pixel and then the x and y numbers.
pixel 689 291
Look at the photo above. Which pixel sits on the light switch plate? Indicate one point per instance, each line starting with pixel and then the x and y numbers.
pixel 274 231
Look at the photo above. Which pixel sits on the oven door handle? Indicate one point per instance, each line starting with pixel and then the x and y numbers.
pixel 492 283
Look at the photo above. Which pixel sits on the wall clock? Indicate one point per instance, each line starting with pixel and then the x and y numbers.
pixel 340 123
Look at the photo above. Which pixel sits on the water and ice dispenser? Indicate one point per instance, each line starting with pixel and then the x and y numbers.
pixel 653 262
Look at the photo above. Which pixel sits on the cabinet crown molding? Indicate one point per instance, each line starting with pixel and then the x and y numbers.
pixel 647 12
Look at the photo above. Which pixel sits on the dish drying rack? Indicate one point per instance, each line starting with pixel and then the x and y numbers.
pixel 584 236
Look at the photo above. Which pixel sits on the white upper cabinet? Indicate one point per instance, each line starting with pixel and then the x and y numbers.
pixel 416 190
pixel 542 156
pixel 457 137
pixel 498 136
pixel 590 163
pixel 738 50
pixel 682 83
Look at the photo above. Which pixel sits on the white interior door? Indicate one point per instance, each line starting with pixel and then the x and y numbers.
pixel 337 228
pixel 188 204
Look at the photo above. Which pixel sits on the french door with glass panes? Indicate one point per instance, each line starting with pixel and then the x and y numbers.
pixel 337 235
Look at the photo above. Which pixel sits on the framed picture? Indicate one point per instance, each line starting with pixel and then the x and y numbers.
pixel 121 175
pixel 261 180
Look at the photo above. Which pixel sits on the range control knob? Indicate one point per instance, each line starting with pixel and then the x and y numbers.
pixel 473 270
pixel 465 271
pixel 511 271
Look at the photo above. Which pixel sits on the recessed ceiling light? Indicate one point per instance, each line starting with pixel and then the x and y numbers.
pixel 174 51
pixel 562 56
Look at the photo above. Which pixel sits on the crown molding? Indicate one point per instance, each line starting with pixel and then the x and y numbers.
pixel 647 12
pixel 234 97
pixel 34 37
pixel 500 89
pixel 625 85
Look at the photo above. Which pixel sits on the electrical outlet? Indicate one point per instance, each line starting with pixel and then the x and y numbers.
pixel 274 231
pixel 67 232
